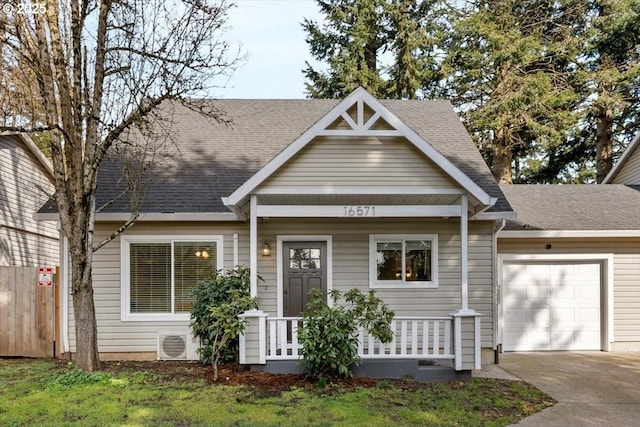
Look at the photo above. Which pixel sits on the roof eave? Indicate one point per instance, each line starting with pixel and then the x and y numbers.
pixel 154 216
pixel 536 234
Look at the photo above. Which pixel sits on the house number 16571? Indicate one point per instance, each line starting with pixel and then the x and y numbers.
pixel 359 211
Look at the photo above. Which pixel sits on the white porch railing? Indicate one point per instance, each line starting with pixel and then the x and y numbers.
pixel 414 338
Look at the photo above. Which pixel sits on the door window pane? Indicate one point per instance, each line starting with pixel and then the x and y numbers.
pixel 305 259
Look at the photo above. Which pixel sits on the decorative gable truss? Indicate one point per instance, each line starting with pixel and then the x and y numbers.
pixel 359 115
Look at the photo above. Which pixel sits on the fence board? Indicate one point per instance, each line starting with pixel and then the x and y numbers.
pixel 27 313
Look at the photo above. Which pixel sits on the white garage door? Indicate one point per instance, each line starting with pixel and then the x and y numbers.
pixel 550 305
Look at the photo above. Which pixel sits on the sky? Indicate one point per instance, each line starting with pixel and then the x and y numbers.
pixel 272 37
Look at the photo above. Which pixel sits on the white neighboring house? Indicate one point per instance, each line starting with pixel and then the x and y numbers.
pixel 26 183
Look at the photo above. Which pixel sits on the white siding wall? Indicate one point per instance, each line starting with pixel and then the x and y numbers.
pixel 626 274
pixel 630 172
pixel 365 163
pixel 24 188
pixel 350 269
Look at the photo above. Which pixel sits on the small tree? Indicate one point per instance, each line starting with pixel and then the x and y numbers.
pixel 329 335
pixel 215 314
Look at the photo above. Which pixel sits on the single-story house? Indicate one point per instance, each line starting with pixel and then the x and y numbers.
pixel 390 195
pixel 26 183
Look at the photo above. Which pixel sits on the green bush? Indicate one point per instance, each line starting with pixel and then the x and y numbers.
pixel 329 334
pixel 215 315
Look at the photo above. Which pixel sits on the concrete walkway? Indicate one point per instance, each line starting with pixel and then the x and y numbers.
pixel 592 388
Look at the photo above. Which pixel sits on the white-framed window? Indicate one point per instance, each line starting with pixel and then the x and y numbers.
pixel 159 272
pixel 403 260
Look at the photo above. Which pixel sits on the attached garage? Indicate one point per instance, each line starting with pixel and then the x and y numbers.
pixel 552 304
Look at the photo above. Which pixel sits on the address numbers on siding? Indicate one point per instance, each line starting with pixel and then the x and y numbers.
pixel 358 211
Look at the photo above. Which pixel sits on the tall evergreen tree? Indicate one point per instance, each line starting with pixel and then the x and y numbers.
pixel 612 59
pixel 386 46
pixel 508 72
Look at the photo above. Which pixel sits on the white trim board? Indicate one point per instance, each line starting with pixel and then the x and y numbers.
pixel 606 305
pixel 343 211
pixel 549 234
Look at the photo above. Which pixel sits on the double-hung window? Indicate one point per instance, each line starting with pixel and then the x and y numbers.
pixel 403 261
pixel 159 273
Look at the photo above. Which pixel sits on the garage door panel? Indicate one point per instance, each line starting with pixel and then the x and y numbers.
pixel 559 302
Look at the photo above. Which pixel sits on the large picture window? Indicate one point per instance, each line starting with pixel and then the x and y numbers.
pixel 403 260
pixel 159 274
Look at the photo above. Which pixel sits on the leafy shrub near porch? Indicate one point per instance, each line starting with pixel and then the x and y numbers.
pixel 214 316
pixel 329 336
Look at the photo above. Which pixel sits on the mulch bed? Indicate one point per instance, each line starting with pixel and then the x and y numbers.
pixel 236 375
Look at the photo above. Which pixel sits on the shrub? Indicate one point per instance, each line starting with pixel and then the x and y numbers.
pixel 215 315
pixel 329 334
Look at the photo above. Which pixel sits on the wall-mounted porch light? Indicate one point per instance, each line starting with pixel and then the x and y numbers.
pixel 266 249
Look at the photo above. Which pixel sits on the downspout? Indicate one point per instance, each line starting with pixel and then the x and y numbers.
pixel 497 291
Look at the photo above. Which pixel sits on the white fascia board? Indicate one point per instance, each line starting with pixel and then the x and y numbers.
pixel 344 211
pixel 535 234
pixel 635 143
pixel 382 190
pixel 494 216
pixel 159 216
pixel 360 95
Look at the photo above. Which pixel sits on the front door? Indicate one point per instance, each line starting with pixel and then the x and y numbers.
pixel 305 268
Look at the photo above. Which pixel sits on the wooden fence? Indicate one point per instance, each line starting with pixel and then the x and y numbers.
pixel 27 314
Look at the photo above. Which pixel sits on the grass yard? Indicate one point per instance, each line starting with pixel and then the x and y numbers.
pixel 44 392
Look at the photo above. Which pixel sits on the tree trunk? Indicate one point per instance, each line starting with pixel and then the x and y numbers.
pixel 604 143
pixel 502 158
pixel 87 357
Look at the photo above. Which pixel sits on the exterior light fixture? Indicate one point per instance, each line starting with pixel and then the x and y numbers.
pixel 266 249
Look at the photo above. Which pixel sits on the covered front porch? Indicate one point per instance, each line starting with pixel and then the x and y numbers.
pixel 427 335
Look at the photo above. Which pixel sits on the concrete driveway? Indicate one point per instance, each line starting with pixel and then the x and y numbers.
pixel 592 388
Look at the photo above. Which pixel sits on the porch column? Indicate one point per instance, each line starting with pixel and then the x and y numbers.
pixel 464 248
pixel 253 247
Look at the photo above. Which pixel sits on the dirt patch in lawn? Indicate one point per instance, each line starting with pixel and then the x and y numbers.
pixel 234 375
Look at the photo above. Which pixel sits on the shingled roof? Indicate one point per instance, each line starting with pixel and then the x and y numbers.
pixel 574 207
pixel 210 160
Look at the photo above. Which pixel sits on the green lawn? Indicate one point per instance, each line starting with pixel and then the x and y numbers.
pixel 37 392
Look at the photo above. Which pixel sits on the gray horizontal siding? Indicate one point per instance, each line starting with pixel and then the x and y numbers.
pixel 339 163
pixel 134 336
pixel 350 269
pixel 626 273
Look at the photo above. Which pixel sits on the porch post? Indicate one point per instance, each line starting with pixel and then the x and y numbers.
pixel 464 248
pixel 253 247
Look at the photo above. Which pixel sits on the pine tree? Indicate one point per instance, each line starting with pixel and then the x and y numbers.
pixel 359 37
pixel 509 73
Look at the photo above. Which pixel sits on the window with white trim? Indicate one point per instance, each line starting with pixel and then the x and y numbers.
pixel 159 273
pixel 403 261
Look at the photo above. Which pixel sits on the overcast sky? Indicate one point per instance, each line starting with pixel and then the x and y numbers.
pixel 273 39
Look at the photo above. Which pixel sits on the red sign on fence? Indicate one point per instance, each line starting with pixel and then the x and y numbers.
pixel 45 276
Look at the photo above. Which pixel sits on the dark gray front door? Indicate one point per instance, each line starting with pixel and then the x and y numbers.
pixel 305 268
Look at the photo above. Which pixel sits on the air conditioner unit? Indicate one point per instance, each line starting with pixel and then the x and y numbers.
pixel 177 346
